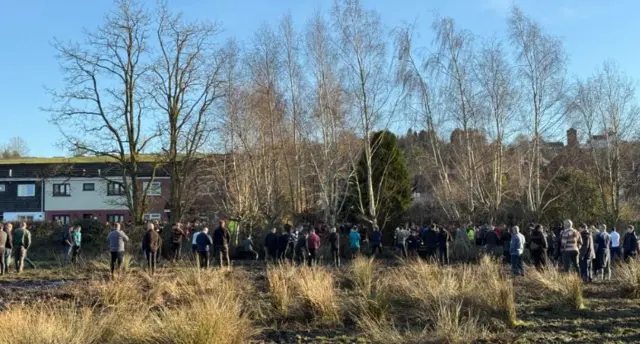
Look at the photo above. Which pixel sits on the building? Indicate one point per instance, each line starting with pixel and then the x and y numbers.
pixel 70 189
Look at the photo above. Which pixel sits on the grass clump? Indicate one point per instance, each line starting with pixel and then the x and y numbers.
pixel 361 274
pixel 629 279
pixel 556 289
pixel 281 288
pixel 316 289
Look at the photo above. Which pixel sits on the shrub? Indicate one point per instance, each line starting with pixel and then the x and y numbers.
pixel 556 289
pixel 629 277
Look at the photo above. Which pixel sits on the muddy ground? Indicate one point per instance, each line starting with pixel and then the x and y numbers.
pixel 606 318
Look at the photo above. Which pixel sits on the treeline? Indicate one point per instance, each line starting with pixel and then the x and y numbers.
pixel 300 115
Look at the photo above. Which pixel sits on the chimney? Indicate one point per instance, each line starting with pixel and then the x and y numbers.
pixel 572 138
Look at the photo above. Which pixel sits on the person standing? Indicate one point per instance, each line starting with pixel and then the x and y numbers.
pixel 376 241
pixel 221 239
pixel 150 247
pixel 602 245
pixel 413 244
pixel 21 244
pixel 630 243
pixel 116 239
pixel 570 243
pixel 401 241
pixel 615 244
pixel 8 228
pixel 3 243
pixel 506 246
pixel 430 240
pixel 301 249
pixel 249 249
pixel 354 242
pixel 538 247
pixel 490 241
pixel 194 244
pixel 177 237
pixel 313 244
pixel 67 244
pixel 587 253
pixel 444 239
pixel 334 242
pixel 204 243
pixel 77 243
pixel 271 245
pixel 516 250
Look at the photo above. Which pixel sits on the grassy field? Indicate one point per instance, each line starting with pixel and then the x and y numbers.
pixel 363 302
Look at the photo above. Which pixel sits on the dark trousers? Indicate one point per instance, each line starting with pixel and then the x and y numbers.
pixel 570 261
pixel 222 255
pixel 335 256
pixel 431 253
pixel 203 259
pixel 272 254
pixel 152 260
pixel 403 250
pixel 443 255
pixel 176 250
pixel 376 249
pixel 629 254
pixel 3 262
pixel 585 270
pixel 516 265
pixel 539 258
pixel 116 261
pixel 66 253
pixel 312 256
pixel 75 252
pixel 615 253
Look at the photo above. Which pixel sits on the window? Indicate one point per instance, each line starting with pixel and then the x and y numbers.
pixel 25 218
pixel 149 217
pixel 2 187
pixel 115 189
pixel 88 186
pixel 154 190
pixel 61 190
pixel 63 219
pixel 113 218
pixel 87 216
pixel 26 190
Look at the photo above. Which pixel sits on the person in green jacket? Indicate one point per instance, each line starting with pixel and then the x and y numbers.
pixel 21 243
pixel 77 241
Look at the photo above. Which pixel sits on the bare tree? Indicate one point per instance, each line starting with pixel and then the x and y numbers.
pixel 542 69
pixel 330 152
pixel 103 107
pixel 496 77
pixel 422 97
pixel 363 53
pixel 606 107
pixel 186 81
pixel 16 147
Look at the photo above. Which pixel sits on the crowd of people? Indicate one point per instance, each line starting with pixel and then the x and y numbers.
pixel 587 250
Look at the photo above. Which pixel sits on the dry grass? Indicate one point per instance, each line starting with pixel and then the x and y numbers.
pixel 280 278
pixel 360 273
pixel 316 287
pixel 555 288
pixel 629 276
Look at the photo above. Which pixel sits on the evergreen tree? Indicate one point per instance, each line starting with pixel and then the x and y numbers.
pixel 390 182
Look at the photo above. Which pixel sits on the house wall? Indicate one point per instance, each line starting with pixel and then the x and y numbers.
pixel 100 215
pixel 79 199
pixel 11 203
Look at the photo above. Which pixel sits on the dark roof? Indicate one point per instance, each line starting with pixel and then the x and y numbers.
pixel 51 170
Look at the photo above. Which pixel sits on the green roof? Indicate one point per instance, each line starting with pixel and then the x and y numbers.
pixel 71 160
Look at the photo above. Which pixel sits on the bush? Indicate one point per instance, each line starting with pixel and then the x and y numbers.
pixel 629 277
pixel 556 289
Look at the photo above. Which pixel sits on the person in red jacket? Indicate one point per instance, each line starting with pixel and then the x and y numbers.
pixel 313 243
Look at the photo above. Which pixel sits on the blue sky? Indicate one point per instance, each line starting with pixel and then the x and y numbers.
pixel 592 31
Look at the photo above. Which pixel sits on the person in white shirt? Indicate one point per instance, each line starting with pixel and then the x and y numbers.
pixel 615 244
pixel 194 244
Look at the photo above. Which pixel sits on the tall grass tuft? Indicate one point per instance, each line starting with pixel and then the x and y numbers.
pixel 316 287
pixel 361 274
pixel 556 289
pixel 629 278
pixel 281 288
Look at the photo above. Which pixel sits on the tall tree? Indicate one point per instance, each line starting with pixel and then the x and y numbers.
pixel 392 190
pixel 186 81
pixel 103 106
pixel 542 69
pixel 16 147
pixel 364 57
